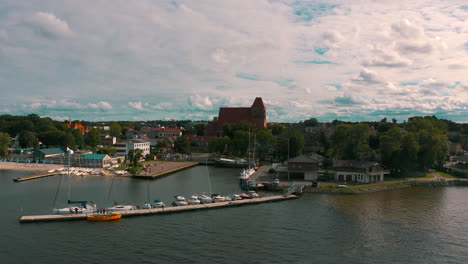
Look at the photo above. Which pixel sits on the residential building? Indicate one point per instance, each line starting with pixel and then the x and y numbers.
pixel 358 171
pixel 107 140
pixel 255 114
pixel 169 132
pixel 122 148
pixel 306 166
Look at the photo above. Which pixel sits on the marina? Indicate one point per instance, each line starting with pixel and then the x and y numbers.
pixel 154 211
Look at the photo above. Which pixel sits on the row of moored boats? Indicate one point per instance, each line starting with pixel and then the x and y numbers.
pixel 87 207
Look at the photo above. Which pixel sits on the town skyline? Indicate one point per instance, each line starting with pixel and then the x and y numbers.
pixel 180 60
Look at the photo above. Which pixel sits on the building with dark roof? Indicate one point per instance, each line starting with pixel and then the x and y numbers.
pixel 305 165
pixel 255 114
pixel 358 171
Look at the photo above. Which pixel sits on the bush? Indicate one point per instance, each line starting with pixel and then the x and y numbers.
pixel 271 170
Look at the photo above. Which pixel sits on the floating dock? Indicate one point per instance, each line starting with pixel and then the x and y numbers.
pixel 35 177
pixel 166 210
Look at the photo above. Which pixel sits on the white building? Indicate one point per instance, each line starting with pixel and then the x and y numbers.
pixel 124 147
pixel 358 171
pixel 169 132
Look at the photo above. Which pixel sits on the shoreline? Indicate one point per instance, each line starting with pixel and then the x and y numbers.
pixel 28 167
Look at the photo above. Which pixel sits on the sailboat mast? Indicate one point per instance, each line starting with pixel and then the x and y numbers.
pixel 69 178
pixel 208 173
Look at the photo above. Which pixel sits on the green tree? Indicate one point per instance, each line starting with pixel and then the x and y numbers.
pixel 79 139
pixel 277 129
pixel 52 138
pixel 390 142
pixel 200 129
pixel 108 151
pixel 296 143
pixel 182 145
pixel 115 129
pixel 69 140
pixel 409 151
pixel 219 144
pixel 311 122
pixel 5 140
pixel 92 138
pixel 27 139
pixel 265 143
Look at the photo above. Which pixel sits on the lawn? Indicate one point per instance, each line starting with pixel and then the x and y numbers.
pixel 446 175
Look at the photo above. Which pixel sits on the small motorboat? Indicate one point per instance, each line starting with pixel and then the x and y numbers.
pixel 244 196
pixel 194 200
pixel 121 207
pixel 204 199
pixel 104 217
pixel 235 197
pixel 253 194
pixel 158 204
pixel 218 198
pixel 180 201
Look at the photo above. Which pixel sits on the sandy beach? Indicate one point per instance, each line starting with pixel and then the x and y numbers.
pixel 28 167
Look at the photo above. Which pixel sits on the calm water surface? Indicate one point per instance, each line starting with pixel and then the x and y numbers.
pixel 426 225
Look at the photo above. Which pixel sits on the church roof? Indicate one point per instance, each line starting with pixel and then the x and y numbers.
pixel 258 102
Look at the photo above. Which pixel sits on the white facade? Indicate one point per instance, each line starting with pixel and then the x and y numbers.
pixel 124 147
pixel 361 177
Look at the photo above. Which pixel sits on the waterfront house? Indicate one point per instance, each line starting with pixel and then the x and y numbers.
pixel 358 171
pixel 305 166
pixel 97 160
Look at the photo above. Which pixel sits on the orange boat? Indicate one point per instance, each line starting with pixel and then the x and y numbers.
pixel 104 217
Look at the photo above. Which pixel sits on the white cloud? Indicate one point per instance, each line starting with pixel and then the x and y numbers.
pixel 137 105
pixel 49 25
pixel 431 83
pixel 201 102
pixel 367 76
pixel 103 106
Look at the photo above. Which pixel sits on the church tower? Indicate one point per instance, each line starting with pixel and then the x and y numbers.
pixel 258 113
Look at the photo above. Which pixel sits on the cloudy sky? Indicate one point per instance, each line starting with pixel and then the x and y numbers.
pixel 157 59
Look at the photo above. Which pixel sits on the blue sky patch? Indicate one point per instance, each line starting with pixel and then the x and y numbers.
pixel 321 51
pixel 316 62
pixel 246 76
pixel 337 86
pixel 408 83
pixel 345 101
pixel 464 7
pixel 284 82
pixel 305 11
pixel 466 46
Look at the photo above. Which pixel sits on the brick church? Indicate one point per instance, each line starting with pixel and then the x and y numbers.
pixel 255 114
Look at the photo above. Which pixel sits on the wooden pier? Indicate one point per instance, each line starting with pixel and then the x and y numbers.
pixel 166 210
pixel 36 177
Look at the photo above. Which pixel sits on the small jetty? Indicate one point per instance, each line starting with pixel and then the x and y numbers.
pixel 166 210
pixel 35 177
pixel 165 168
